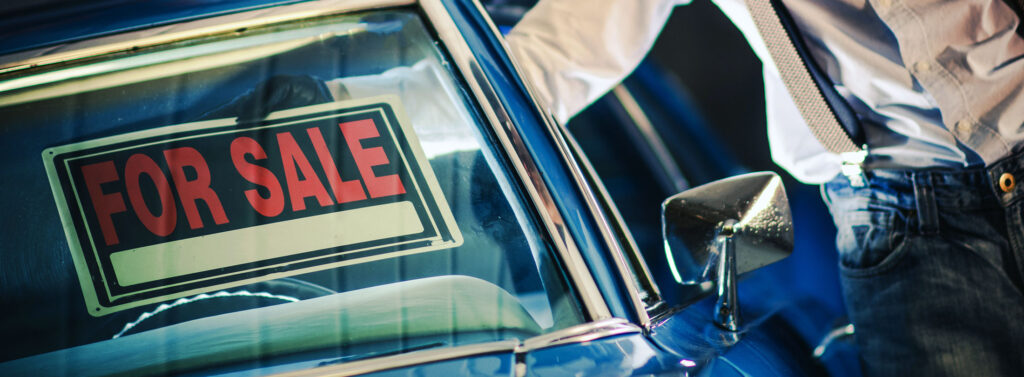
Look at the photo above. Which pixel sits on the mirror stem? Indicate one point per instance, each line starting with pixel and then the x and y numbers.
pixel 727 311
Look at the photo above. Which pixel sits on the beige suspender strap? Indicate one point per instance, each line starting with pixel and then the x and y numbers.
pixel 802 88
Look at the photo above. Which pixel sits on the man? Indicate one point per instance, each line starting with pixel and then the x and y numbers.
pixel 932 243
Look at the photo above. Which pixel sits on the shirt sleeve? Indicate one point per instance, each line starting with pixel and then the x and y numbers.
pixel 572 51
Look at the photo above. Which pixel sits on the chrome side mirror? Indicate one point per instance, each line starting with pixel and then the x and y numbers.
pixel 719 230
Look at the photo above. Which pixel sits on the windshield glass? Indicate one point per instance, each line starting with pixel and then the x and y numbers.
pixel 281 197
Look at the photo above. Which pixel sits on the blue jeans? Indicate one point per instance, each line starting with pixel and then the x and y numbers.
pixel 931 264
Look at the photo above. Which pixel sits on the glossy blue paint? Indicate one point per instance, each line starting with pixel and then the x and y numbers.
pixel 510 91
pixel 688 343
pixel 807 281
pixel 799 294
pixel 767 344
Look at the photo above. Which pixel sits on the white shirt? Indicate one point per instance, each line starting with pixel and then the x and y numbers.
pixel 937 83
pixel 574 51
pixel 427 95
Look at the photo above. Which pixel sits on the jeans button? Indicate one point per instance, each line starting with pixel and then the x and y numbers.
pixel 1006 182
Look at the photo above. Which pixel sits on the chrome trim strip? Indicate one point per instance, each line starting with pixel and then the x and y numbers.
pixel 580 333
pixel 836 334
pixel 593 302
pixel 559 133
pixel 132 41
pixel 378 364
pixel 640 265
pixel 576 334
pixel 604 224
pixel 651 137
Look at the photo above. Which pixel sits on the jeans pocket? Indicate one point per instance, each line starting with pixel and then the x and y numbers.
pixel 869 237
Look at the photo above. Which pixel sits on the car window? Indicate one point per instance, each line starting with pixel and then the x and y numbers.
pixel 296 194
pixel 636 180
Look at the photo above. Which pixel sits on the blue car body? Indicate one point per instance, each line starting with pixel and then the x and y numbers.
pixel 788 308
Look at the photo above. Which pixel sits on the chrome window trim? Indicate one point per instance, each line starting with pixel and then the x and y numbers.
pixel 378 364
pixel 579 334
pixel 571 152
pixel 640 265
pixel 523 163
pixel 560 134
pixel 166 34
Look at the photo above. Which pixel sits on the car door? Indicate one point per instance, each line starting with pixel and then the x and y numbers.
pixel 646 141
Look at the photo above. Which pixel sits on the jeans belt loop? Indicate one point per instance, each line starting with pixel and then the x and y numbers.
pixel 852 166
pixel 924 199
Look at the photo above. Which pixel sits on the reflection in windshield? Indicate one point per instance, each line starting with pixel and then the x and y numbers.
pixel 285 197
pixel 432 114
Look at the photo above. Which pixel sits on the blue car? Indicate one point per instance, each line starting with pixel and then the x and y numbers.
pixel 368 188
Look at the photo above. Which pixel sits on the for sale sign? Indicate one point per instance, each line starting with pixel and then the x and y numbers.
pixel 174 211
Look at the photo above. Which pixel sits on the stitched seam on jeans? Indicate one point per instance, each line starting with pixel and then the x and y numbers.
pixel 899 227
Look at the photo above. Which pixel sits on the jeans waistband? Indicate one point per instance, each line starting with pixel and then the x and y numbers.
pixel 999 185
pixel 923 192
pixel 964 188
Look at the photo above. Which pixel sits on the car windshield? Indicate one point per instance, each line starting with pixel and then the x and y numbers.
pixel 278 197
